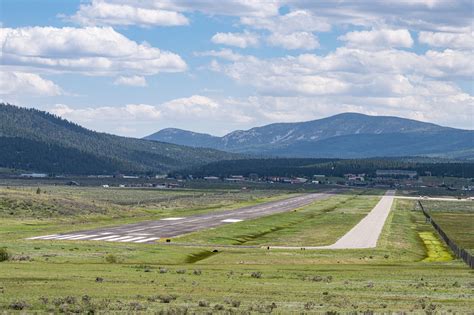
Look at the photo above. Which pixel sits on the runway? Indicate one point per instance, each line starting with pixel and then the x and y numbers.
pixel 151 231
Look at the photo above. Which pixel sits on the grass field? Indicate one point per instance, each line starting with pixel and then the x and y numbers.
pixel 456 219
pixel 61 276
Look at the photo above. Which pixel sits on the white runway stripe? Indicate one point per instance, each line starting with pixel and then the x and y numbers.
pixel 132 239
pixel 48 237
pixel 147 240
pixel 116 239
pixel 103 238
pixel 65 237
pixel 171 219
pixel 83 237
pixel 41 237
pixel 231 220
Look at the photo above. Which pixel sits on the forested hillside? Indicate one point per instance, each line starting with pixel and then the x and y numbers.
pixel 39 141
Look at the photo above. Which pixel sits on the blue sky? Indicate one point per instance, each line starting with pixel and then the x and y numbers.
pixel 133 67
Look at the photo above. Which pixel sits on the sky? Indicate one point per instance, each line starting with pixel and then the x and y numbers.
pixel 133 67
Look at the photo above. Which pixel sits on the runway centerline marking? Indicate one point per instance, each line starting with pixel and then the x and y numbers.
pixel 231 220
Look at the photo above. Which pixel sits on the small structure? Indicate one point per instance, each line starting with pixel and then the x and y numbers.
pixel 355 177
pixel 396 174
pixel 34 175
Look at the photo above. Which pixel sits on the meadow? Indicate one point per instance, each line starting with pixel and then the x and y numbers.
pixel 218 273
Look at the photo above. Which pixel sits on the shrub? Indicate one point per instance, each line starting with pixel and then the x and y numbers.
pixel 111 258
pixel 256 274
pixel 309 306
pixel 166 298
pixel 203 303
pixel 197 272
pixel 218 307
pixel 18 305
pixel 163 270
pixel 4 255
pixel 181 271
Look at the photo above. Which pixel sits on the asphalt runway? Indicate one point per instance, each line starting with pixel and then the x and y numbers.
pixel 151 231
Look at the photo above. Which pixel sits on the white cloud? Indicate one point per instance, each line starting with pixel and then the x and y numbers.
pixel 165 12
pixel 193 106
pixel 90 50
pixel 294 21
pixel 227 54
pixel 297 40
pixel 449 40
pixel 22 83
pixel 141 119
pixel 384 38
pixel 346 71
pixel 101 12
pixel 242 40
pixel 131 81
pixel 410 97
pixel 428 15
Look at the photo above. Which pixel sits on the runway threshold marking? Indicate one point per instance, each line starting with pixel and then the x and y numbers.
pixel 231 220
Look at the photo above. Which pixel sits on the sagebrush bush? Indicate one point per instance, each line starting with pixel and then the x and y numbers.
pixel 4 255
pixel 111 259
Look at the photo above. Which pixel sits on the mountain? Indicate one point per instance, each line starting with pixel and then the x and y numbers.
pixel 348 135
pixel 35 140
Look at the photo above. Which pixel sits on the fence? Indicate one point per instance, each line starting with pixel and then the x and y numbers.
pixel 458 251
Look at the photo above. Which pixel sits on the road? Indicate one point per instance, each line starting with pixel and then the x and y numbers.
pixel 151 231
pixel 366 233
pixel 435 198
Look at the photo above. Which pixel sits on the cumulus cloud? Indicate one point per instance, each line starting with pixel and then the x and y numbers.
pixel 297 40
pixel 22 83
pixel 131 81
pixel 242 40
pixel 347 71
pixel 447 40
pixel 187 112
pixel 227 54
pixel 427 15
pixel 384 38
pixel 432 101
pixel 166 12
pixel 90 50
pixel 101 12
pixel 294 21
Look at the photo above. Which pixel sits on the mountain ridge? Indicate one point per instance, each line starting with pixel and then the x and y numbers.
pixel 288 139
pixel 59 142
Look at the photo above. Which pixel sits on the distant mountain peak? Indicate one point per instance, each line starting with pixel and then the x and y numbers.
pixel 288 139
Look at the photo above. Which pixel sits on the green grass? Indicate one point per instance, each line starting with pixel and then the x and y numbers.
pixel 320 223
pixel 456 219
pixel 55 276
